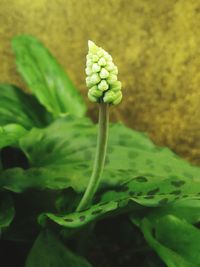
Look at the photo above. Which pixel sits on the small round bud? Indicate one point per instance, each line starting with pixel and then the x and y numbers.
pixel 95 58
pixel 103 86
pixel 108 57
pixel 118 98
pixel 89 63
pixel 100 53
pixel 112 78
pixel 91 97
pixel 88 71
pixel 109 97
pixel 117 86
pixel 94 91
pixel 96 67
pixel 104 73
pixel 94 78
pixel 102 61
pixel 114 70
pixel 110 66
pixel 88 82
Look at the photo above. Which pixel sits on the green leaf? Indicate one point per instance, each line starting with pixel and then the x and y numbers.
pixel 132 195
pixel 49 251
pixel 179 236
pixel 7 210
pixel 175 240
pixel 46 78
pixel 170 257
pixel 78 219
pixel 10 134
pixel 135 168
pixel 186 209
pixel 20 108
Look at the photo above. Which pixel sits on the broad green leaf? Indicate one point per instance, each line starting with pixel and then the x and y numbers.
pixel 61 156
pixel 7 210
pixel 186 209
pixel 170 257
pixel 179 236
pixel 49 251
pixel 78 219
pixel 20 108
pixel 46 78
pixel 10 134
pixel 132 195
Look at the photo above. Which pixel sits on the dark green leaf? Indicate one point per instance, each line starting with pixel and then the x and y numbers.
pixel 175 240
pixel 61 156
pixel 170 257
pixel 7 210
pixel 49 251
pixel 118 200
pixel 179 236
pixel 20 108
pixel 10 134
pixel 186 209
pixel 46 78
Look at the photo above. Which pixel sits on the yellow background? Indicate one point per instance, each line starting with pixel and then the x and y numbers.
pixel 155 44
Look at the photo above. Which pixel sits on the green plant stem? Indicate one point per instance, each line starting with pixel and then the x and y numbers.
pixel 99 157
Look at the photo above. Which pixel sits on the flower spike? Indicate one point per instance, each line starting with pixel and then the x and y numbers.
pixel 102 78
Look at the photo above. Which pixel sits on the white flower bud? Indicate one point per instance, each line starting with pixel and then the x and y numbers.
pixel 102 76
pixel 118 98
pixel 94 91
pixel 110 66
pixel 117 86
pixel 88 82
pixel 91 97
pixel 103 86
pixel 104 73
pixel 109 97
pixel 108 58
pixel 112 79
pixel 94 78
pixel 102 61
pixel 88 71
pixel 100 53
pixel 114 70
pixel 95 58
pixel 89 63
pixel 96 67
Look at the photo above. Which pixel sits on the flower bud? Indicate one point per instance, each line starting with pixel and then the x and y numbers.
pixel 102 78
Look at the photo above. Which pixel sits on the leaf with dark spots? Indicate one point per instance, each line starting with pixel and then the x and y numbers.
pixel 96 211
pixel 82 218
pixel 163 201
pixel 154 191
pixel 141 179
pixel 149 197
pixel 178 183
pixel 176 192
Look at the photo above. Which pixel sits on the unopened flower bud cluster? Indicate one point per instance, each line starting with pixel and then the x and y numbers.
pixel 102 76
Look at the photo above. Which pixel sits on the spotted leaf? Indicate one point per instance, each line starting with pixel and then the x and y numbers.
pixel 66 150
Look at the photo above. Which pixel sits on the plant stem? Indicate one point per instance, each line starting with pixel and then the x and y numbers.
pixel 99 157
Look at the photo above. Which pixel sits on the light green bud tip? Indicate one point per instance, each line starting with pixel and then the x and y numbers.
pixel 101 77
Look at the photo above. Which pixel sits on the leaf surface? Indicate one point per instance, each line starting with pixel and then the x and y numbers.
pixel 20 108
pixel 7 210
pixel 46 78
pixel 61 156
pixel 49 251
pixel 170 257
pixel 10 134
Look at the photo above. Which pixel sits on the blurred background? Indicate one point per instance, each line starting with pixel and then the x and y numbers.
pixel 155 44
